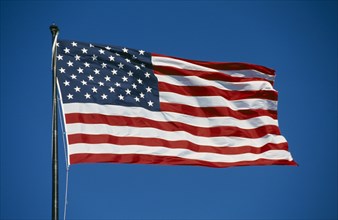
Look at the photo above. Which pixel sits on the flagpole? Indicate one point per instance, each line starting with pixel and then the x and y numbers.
pixel 55 172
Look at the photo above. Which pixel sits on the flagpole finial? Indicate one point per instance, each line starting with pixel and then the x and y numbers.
pixel 54 28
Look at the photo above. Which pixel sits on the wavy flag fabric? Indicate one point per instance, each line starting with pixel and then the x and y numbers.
pixel 122 105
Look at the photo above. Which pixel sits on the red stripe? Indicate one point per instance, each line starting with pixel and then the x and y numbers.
pixel 110 139
pixel 165 160
pixel 216 111
pixel 171 126
pixel 225 65
pixel 168 70
pixel 212 91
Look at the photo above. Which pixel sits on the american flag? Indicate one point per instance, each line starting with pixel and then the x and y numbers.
pixel 123 105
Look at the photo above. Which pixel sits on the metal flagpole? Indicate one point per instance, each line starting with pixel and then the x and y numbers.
pixel 55 172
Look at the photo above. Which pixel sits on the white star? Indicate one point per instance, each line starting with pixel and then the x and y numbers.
pixel 137 67
pixel 130 73
pixel 141 95
pixel 117 84
pixel 104 96
pixel 128 92
pixel 150 103
pixel 117 54
pixel 127 60
pixel 147 75
pixel 90 78
pixel 114 72
pixel 111 58
pixel 141 52
pixel 74 44
pixel 62 70
pixel 60 57
pixel 66 50
pixel 101 83
pixel 104 65
pixel 67 83
pixel 77 89
pixel 84 82
pixel 58 44
pixel 87 64
pixel 84 50
pixel 125 79
pixel 91 45
pixel 139 81
pixel 111 89
pixel 121 97
pixel 137 99
pixel 107 78
pixel 148 89
pixel 77 57
pixel 70 96
pixel 108 48
pixel 134 86
pixel 80 70
pixel 142 65
pixel 125 50
pixel 101 51
pixel 121 65
pixel 96 71
pixel 73 76
pixel 70 63
pixel 94 57
pixel 134 57
pixel 87 95
pixel 94 89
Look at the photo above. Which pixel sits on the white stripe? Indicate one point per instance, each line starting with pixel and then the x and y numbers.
pixel 183 153
pixel 128 131
pixel 91 108
pixel 232 86
pixel 218 101
pixel 167 61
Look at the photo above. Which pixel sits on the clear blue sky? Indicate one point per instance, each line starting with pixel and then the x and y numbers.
pixel 296 38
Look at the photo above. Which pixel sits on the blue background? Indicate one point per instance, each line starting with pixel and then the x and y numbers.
pixel 296 38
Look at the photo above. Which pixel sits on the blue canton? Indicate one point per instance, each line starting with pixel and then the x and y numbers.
pixel 107 75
